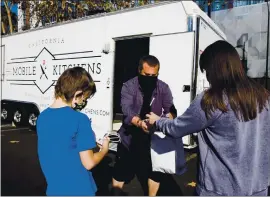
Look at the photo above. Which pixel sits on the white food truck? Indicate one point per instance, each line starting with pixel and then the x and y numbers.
pixel 109 47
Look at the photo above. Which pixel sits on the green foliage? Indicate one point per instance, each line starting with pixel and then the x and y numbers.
pixel 51 11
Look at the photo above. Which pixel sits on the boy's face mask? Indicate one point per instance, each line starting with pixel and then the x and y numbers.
pixel 80 106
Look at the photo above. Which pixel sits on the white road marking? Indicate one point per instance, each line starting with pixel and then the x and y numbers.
pixel 6 125
pixel 15 129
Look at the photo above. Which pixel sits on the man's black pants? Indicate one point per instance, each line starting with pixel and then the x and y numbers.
pixel 135 161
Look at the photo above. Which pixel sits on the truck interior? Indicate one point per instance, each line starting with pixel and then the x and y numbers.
pixel 127 55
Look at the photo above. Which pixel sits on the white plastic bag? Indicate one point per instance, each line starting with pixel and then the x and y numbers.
pixel 167 154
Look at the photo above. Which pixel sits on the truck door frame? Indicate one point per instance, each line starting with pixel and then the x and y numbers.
pixel 122 38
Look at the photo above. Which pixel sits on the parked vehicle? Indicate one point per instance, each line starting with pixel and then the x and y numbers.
pixel 109 46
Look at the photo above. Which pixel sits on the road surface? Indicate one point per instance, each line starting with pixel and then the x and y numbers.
pixel 22 176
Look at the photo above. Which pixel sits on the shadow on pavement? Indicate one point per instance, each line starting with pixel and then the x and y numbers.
pixel 169 187
pixel 21 174
pixel 103 177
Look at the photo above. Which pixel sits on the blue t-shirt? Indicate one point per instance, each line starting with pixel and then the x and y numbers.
pixel 62 134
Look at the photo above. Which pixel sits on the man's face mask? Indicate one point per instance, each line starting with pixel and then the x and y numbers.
pixel 80 106
pixel 147 83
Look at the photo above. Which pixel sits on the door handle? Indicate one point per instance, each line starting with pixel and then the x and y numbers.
pixel 186 88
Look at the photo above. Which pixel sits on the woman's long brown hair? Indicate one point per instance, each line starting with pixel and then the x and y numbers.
pixel 228 81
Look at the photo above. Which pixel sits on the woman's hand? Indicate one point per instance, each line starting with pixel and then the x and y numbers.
pixel 152 118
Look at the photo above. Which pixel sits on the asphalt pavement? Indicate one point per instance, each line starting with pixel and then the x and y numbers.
pixel 21 174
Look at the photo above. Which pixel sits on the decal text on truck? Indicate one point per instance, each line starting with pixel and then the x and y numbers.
pixel 44 69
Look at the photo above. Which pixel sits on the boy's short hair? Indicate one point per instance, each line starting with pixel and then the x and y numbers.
pixel 72 80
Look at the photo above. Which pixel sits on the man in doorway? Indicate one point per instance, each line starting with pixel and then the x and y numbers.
pixel 139 96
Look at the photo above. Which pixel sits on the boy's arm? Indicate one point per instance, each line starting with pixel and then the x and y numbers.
pixel 86 142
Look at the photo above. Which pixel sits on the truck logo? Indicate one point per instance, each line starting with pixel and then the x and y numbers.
pixel 44 69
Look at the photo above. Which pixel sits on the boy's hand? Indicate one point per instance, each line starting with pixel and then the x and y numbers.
pixel 105 144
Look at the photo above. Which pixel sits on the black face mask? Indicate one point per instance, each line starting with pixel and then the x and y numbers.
pixel 147 83
pixel 79 107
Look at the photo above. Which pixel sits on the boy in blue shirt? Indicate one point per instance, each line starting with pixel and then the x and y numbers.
pixel 66 139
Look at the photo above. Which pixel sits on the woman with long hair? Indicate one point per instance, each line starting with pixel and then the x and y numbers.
pixel 232 119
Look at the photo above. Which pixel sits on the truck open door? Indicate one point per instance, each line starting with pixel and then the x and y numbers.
pixel 176 54
pixel 205 36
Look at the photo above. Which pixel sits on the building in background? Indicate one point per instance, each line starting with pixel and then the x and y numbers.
pixel 246 29
pixel 217 5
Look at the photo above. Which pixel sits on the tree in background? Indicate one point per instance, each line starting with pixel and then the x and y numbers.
pixel 8 18
pixel 63 10
pixel 42 12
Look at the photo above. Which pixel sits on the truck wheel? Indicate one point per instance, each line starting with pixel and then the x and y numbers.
pixel 4 114
pixel 32 120
pixel 18 117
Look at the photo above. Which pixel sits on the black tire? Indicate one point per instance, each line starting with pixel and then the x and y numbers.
pixel 19 117
pixel 31 120
pixel 4 114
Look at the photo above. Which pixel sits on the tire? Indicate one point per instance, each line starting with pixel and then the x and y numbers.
pixel 4 114
pixel 32 120
pixel 19 117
